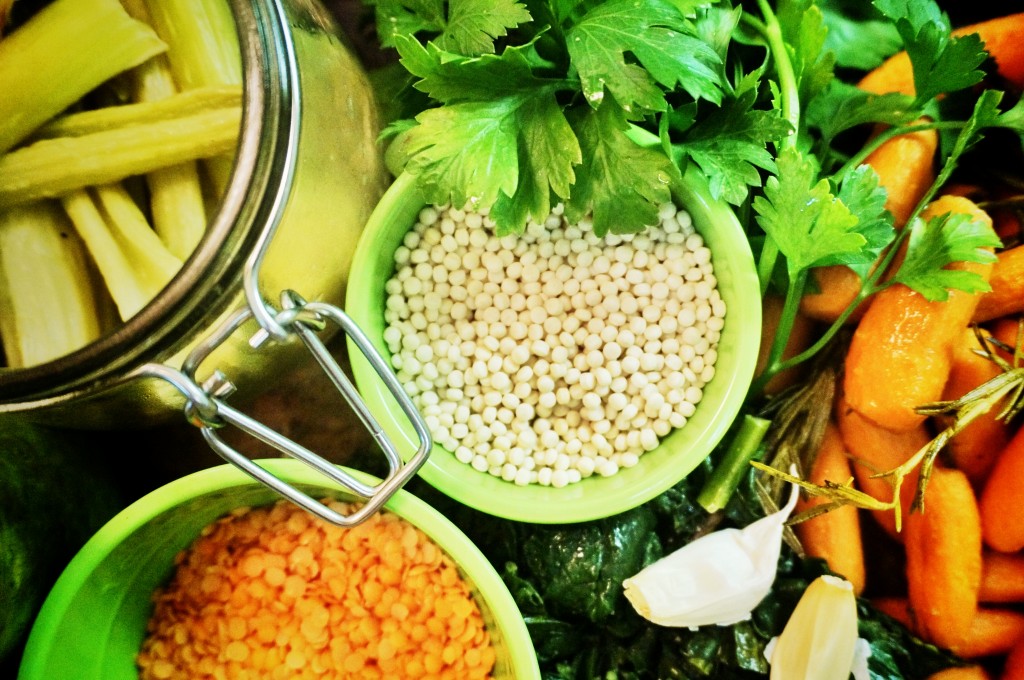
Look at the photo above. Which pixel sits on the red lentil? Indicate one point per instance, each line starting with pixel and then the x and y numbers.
pixel 269 593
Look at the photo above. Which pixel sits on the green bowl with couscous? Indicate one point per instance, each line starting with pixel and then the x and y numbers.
pixel 94 621
pixel 517 369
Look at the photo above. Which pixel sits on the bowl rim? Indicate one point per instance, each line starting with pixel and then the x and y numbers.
pixel 485 579
pixel 595 497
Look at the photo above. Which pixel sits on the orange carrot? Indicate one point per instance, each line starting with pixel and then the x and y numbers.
pixel 961 673
pixel 800 338
pixel 1002 40
pixel 900 354
pixel 876 449
pixel 1002 577
pixel 905 167
pixel 974 449
pixel 1005 329
pixel 1007 281
pixel 992 632
pixel 835 536
pixel 1013 669
pixel 944 559
pixel 1002 499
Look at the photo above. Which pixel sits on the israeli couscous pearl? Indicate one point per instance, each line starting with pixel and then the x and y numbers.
pixel 556 355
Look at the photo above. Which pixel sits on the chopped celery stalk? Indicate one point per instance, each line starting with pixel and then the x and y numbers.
pixel 174 107
pixel 203 50
pixel 153 263
pixel 129 292
pixel 53 167
pixel 47 306
pixel 64 51
pixel 176 195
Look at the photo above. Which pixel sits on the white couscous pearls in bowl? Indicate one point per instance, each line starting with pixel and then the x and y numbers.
pixel 627 365
pixel 551 356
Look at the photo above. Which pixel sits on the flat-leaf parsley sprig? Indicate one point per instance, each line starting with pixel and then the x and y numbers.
pixel 535 104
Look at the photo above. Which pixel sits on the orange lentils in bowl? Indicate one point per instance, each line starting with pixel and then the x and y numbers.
pixel 273 592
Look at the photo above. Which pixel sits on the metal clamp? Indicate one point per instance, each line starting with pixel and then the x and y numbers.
pixel 207 409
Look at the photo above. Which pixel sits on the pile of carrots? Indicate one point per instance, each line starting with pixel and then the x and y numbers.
pixel 963 585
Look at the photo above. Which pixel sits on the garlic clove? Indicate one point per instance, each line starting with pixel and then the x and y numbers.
pixel 820 639
pixel 716 579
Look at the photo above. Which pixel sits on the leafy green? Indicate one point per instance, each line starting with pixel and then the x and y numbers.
pixel 730 144
pixel 809 223
pixel 941 241
pixel 803 29
pixel 941 63
pixel 656 34
pixel 621 182
pixel 470 27
pixel 859 39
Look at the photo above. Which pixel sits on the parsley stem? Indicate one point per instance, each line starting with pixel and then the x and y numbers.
pixel 790 307
pixel 726 476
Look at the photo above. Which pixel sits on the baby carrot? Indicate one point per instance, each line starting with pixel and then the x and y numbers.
pixel 834 536
pixel 900 354
pixel 974 449
pixel 992 632
pixel 1002 577
pixel 905 167
pixel 943 545
pixel 1002 40
pixel 1002 499
pixel 876 449
pixel 1007 281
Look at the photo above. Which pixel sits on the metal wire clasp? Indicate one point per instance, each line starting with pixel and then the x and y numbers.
pixel 207 409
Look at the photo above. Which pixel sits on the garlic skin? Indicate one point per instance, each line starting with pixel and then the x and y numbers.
pixel 820 640
pixel 717 579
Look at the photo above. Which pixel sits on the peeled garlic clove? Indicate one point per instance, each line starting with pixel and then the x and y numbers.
pixel 820 638
pixel 717 579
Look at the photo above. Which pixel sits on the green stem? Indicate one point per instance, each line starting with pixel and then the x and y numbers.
pixel 766 263
pixel 727 475
pixel 787 318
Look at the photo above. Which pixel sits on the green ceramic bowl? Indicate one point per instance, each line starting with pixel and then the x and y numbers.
pixel 93 622
pixel 594 497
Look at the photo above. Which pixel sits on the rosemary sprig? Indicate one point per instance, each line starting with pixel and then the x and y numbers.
pixel 1007 389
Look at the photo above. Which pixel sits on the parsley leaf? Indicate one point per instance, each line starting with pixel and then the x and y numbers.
pixel 841 107
pixel 620 181
pixel 730 144
pixel 803 28
pixel 861 192
pixel 657 35
pixel 809 224
pixel 943 240
pixel 941 63
pixel 474 25
pixel 470 27
pixel 858 42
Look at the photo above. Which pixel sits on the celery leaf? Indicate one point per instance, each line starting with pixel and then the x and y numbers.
pixel 619 180
pixel 945 239
pixel 658 36
pixel 809 224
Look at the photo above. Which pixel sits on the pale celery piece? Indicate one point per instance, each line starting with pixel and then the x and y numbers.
pixel 52 167
pixel 203 50
pixel 47 306
pixel 133 263
pixel 100 41
pixel 176 195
